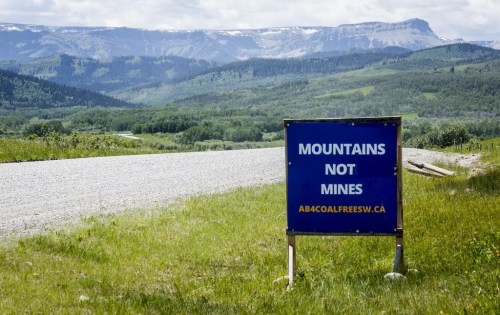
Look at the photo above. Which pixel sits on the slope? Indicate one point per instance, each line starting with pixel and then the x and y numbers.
pixel 109 74
pixel 21 92
pixel 445 56
pixel 256 73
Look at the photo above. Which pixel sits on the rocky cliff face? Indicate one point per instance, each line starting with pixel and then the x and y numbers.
pixel 22 42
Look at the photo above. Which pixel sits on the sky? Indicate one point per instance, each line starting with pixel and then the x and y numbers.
pixel 466 19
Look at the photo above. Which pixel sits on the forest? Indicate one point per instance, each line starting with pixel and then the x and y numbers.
pixel 109 74
pixel 22 91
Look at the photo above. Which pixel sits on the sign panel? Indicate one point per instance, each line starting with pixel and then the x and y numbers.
pixel 342 176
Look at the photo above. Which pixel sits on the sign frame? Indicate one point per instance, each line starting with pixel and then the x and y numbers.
pixel 399 263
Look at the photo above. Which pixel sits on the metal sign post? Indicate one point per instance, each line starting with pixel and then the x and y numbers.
pixel 344 177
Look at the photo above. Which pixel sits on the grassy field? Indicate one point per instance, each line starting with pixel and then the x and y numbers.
pixel 167 142
pixel 72 146
pixel 488 149
pixel 365 90
pixel 223 254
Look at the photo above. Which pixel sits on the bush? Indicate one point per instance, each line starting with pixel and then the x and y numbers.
pixel 440 137
pixel 46 128
pixel 243 134
pixel 203 132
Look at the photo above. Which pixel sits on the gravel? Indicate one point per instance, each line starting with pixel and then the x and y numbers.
pixel 36 196
pixel 427 156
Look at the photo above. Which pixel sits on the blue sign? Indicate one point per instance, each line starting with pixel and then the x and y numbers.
pixel 342 176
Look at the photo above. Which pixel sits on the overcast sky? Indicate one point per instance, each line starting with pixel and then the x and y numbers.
pixel 467 19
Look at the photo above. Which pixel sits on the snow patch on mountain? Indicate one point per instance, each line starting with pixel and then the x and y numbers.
pixel 495 45
pixel 24 42
pixel 310 31
pixel 232 33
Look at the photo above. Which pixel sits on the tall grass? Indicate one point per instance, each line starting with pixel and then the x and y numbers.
pixel 73 146
pixel 80 145
pixel 222 254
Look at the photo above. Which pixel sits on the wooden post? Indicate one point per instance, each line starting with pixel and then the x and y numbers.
pixel 292 262
pixel 399 260
pixel 422 172
pixel 431 167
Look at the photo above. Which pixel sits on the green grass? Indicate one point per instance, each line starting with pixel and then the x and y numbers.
pixel 64 147
pixel 86 145
pixel 218 145
pixel 430 96
pixel 368 72
pixel 221 254
pixel 159 140
pixel 488 149
pixel 365 90
pixel 410 117
pixel 167 141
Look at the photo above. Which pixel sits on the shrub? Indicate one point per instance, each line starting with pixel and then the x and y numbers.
pixel 45 128
pixel 202 132
pixel 440 137
pixel 243 134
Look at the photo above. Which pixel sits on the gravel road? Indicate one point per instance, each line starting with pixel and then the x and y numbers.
pixel 39 195
pixel 35 196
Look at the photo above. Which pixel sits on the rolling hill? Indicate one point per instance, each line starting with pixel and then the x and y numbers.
pixel 23 92
pixel 110 74
pixel 445 56
pixel 159 80
pixel 256 73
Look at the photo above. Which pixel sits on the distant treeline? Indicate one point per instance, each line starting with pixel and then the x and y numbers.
pixel 243 125
pixel 274 67
pixel 443 56
pixel 236 125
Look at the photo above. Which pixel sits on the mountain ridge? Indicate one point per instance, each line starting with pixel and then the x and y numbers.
pixel 26 41
pixel 108 74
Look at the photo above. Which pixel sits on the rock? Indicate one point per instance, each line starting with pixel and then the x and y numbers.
pixel 83 298
pixel 394 276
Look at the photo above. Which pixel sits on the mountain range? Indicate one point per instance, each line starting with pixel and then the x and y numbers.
pixel 27 42
pixel 160 80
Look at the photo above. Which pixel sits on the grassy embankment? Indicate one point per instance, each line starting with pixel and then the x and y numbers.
pixel 87 145
pixel 72 146
pixel 165 141
pixel 223 253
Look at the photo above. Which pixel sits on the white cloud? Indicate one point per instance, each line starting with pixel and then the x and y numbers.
pixel 470 19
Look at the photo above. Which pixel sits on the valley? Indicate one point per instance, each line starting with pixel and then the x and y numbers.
pixel 446 94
